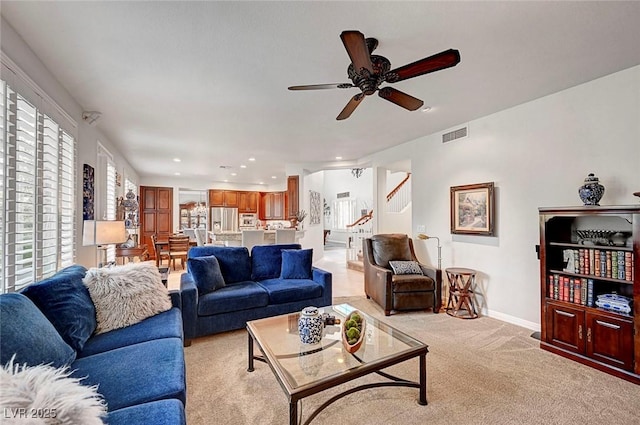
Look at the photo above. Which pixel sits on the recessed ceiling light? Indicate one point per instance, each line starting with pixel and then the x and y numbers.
pixel 225 180
pixel 243 166
pixel 176 160
pixel 273 177
pixel 177 174
pixel 426 109
pixel 261 183
pixel 338 158
pixel 252 159
pixel 234 174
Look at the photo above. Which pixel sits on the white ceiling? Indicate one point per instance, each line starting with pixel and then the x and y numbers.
pixel 207 81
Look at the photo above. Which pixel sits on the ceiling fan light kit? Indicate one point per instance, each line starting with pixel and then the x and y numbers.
pixel 367 72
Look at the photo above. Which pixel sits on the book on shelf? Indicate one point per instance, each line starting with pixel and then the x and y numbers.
pixel 589 292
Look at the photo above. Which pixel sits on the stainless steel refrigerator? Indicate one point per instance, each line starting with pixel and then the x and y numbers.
pixel 224 219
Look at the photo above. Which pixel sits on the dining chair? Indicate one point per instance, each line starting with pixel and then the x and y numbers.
pixel 251 238
pixel 178 248
pixel 285 236
pixel 161 250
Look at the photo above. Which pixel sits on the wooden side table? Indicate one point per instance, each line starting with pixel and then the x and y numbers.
pixel 461 283
pixel 139 251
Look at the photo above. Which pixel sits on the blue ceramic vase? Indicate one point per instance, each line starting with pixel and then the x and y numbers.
pixel 310 326
pixel 591 191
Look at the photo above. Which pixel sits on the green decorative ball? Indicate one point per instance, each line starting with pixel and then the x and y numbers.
pixel 350 324
pixel 353 333
pixel 356 317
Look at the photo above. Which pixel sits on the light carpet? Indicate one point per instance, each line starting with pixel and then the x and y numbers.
pixel 480 371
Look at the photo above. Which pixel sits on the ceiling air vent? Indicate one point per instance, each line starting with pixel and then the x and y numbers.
pixel 343 195
pixel 455 135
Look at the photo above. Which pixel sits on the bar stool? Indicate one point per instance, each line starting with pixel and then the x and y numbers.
pixel 461 283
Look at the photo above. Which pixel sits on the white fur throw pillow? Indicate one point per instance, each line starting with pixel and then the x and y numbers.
pixel 126 295
pixel 44 395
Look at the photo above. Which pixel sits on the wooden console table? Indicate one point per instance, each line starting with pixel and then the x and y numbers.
pixel 139 251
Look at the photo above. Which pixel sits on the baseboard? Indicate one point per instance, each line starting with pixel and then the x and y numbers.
pixel 514 320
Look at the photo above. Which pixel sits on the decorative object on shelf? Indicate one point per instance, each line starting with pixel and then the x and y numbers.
pixel 472 209
pixel 591 191
pixel 353 331
pixel 200 209
pixel 614 302
pixel 424 238
pixel 620 238
pixel 310 325
pixel 314 207
pixel 595 237
pixel 357 172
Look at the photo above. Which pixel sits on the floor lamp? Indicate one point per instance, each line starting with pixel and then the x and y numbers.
pixel 102 233
pixel 425 237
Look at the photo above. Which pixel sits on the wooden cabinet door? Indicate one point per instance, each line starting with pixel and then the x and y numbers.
pixel 252 202
pixel 216 198
pixel 565 327
pixel 610 340
pixel 278 205
pixel 230 198
pixel 266 203
pixel 156 213
pixel 293 197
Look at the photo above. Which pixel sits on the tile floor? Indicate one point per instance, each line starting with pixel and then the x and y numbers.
pixel 346 282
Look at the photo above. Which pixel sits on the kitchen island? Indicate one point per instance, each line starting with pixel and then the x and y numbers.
pixel 235 238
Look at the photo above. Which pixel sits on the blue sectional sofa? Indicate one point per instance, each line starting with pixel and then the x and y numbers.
pixel 139 369
pixel 273 280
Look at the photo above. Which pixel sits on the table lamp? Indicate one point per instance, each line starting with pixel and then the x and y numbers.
pixel 425 237
pixel 103 233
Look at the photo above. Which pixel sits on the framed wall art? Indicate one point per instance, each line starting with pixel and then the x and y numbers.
pixel 472 209
pixel 315 212
pixel 87 192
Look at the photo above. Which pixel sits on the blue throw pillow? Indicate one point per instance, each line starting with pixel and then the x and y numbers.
pixel 206 274
pixel 266 260
pixel 26 332
pixel 234 261
pixel 66 302
pixel 296 264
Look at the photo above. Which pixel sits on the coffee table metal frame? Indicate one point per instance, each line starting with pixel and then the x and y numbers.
pixel 297 394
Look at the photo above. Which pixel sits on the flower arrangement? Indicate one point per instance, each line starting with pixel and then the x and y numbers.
pixel 301 215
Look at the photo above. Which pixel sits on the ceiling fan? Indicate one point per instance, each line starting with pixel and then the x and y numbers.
pixel 368 72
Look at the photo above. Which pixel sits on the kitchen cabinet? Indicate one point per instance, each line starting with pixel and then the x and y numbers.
pixel 191 218
pixel 272 204
pixel 293 196
pixel 248 202
pixel 223 198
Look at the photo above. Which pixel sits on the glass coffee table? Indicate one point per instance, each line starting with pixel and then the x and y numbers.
pixel 303 370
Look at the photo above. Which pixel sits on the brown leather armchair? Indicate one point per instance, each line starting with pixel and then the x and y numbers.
pixel 398 291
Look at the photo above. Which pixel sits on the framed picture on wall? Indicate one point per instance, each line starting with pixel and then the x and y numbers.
pixel 472 209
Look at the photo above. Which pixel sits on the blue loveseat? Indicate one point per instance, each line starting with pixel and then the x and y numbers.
pixel 273 280
pixel 139 369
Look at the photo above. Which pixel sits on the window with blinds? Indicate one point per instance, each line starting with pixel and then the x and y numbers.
pixel 344 213
pixel 110 204
pixel 37 193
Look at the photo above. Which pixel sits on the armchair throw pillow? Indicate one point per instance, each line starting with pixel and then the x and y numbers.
pixel 126 295
pixel 405 267
pixel 206 273
pixel 296 264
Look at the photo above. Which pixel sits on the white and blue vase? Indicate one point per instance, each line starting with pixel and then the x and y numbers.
pixel 591 191
pixel 310 326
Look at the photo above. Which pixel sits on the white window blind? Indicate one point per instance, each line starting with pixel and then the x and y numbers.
pixel 37 220
pixel 345 213
pixel 110 204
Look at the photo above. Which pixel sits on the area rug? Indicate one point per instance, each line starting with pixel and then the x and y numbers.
pixel 480 371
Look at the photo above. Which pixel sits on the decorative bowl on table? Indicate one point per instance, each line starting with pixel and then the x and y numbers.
pixel 353 331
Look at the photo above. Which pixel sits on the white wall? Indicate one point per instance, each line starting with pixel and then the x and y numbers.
pixel 14 47
pixel 538 154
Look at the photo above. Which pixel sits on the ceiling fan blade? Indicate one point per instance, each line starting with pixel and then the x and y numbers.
pixel 323 86
pixel 400 98
pixel 439 61
pixel 357 50
pixel 351 106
